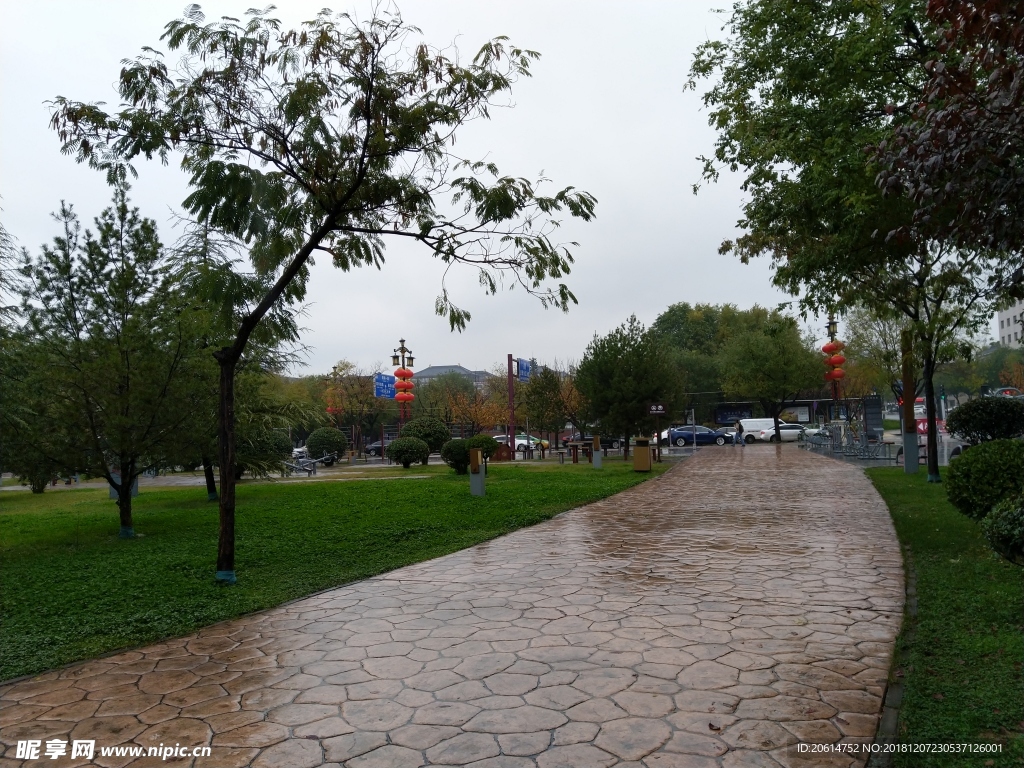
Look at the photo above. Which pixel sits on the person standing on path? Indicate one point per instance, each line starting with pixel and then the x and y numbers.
pixel 738 435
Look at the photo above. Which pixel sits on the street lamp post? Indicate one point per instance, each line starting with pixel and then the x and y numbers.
pixel 403 359
pixel 833 329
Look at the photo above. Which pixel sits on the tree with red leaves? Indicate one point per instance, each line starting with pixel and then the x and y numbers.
pixel 961 157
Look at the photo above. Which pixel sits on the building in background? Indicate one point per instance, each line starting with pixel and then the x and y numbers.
pixel 431 372
pixel 1011 325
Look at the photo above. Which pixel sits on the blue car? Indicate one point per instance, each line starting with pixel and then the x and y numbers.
pixel 680 436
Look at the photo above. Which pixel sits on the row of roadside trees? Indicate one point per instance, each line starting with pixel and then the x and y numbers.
pixel 105 364
pixel 879 145
pixel 326 140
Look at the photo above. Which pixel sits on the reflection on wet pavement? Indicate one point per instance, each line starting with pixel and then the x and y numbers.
pixel 744 602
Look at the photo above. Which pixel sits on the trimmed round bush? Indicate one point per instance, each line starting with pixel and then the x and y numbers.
pixel 406 450
pixel 1004 529
pixel 326 440
pixel 984 475
pixel 456 455
pixel 485 443
pixel 430 430
pixel 987 418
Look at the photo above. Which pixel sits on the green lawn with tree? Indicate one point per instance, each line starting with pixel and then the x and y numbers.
pixel 963 677
pixel 73 590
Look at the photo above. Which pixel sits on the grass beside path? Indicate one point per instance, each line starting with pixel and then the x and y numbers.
pixel 71 589
pixel 963 681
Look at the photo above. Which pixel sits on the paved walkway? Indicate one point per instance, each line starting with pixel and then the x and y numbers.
pixel 744 602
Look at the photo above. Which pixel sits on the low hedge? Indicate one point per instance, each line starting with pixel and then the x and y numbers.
pixel 406 450
pixel 487 444
pixel 430 430
pixel 987 418
pixel 984 475
pixel 456 455
pixel 326 440
pixel 1004 529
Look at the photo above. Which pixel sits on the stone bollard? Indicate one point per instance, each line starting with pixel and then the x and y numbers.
pixel 595 452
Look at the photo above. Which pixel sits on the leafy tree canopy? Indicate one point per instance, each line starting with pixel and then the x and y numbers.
pixel 770 362
pixel 622 373
pixel 115 359
pixel 328 139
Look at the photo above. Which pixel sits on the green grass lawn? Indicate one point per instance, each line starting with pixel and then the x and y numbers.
pixel 71 589
pixel 963 681
pixel 891 425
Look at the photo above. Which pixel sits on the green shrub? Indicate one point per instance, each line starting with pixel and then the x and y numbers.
pixel 1004 529
pixel 987 418
pixel 406 450
pixel 984 475
pixel 430 430
pixel 326 440
pixel 487 444
pixel 261 452
pixel 456 455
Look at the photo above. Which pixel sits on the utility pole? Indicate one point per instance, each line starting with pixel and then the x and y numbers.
pixel 511 408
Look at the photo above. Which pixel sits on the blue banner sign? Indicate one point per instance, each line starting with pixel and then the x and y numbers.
pixel 384 385
pixel 524 370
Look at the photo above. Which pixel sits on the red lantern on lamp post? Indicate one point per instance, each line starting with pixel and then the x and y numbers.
pixel 403 381
pixel 834 361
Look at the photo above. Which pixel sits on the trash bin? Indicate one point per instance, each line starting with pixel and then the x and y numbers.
pixel 642 455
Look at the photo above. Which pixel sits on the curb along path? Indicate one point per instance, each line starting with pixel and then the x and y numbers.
pixel 742 605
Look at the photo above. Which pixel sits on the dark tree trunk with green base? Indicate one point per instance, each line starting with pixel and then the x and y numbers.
pixel 211 483
pixel 228 360
pixel 929 404
pixel 910 451
pixel 126 479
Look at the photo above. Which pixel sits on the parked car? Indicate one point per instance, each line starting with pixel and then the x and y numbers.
pixel 300 453
pixel 788 432
pixel 681 436
pixel 752 428
pixel 376 449
pixel 522 441
pixel 606 442
pixel 663 435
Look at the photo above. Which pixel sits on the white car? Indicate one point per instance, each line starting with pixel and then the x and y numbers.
pixel 789 432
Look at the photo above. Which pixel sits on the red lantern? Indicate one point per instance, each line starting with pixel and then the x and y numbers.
pixel 403 373
pixel 838 373
pixel 830 348
pixel 836 360
pixel 405 397
pixel 404 385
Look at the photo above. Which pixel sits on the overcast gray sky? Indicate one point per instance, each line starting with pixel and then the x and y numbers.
pixel 605 111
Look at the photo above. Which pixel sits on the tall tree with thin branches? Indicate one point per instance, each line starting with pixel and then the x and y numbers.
pixel 329 139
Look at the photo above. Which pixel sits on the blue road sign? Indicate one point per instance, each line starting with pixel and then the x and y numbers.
pixel 524 370
pixel 384 385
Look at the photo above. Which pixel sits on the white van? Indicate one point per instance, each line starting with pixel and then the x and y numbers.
pixel 752 427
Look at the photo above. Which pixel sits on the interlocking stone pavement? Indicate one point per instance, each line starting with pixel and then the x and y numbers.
pixel 744 602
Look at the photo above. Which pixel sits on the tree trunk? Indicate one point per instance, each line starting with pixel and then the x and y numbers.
pixel 227 358
pixel 910 451
pixel 929 404
pixel 226 466
pixel 124 501
pixel 625 445
pixel 211 483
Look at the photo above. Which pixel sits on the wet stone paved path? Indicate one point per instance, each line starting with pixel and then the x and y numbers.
pixel 744 602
